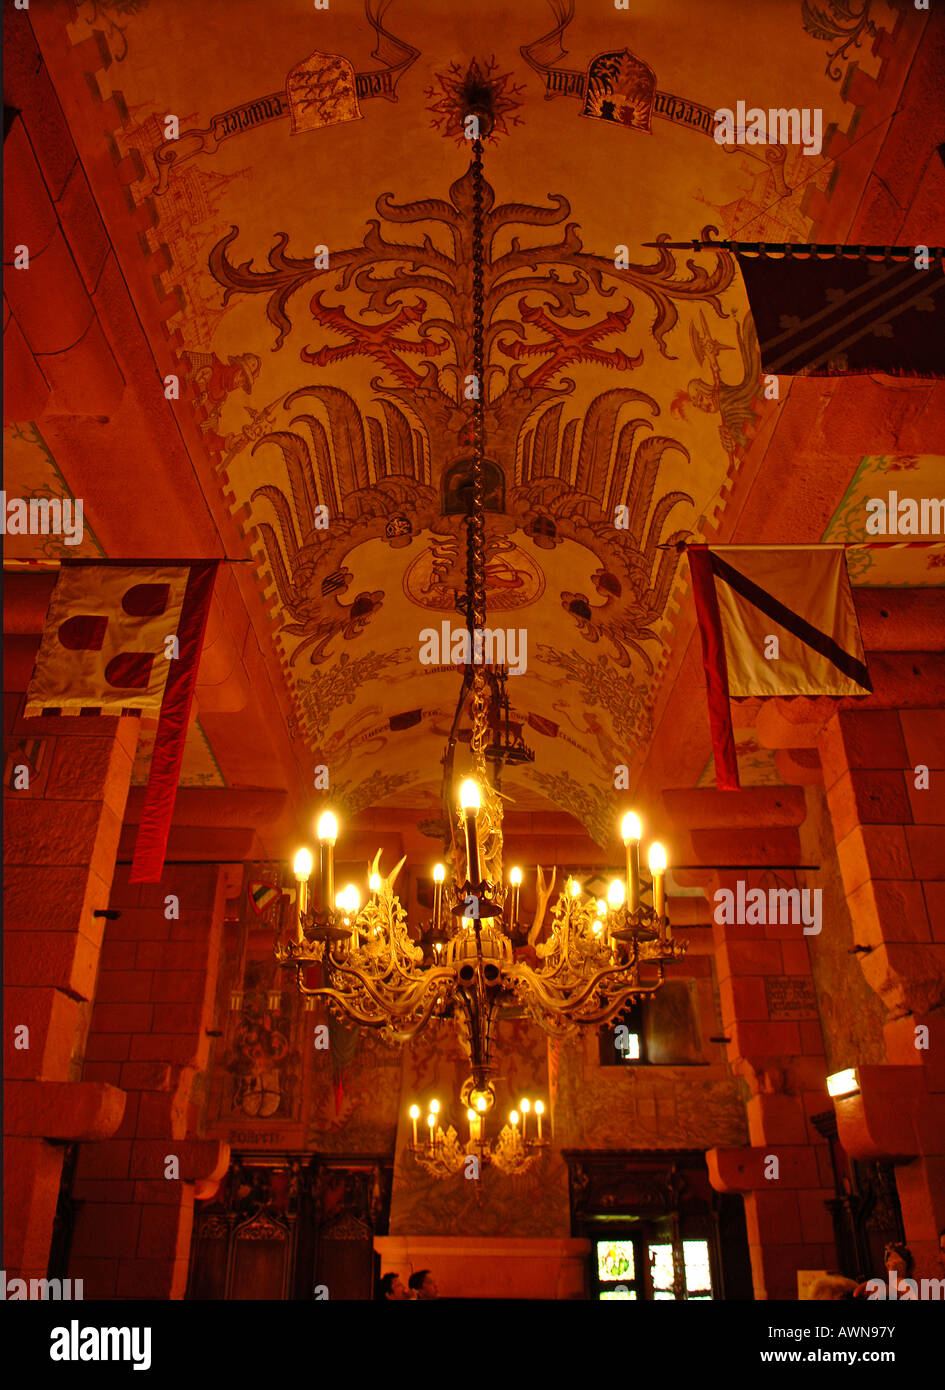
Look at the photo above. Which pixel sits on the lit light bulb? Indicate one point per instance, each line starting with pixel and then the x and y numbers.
pixel 597 928
pixel 415 1112
pixel 469 796
pixel 601 907
pixel 481 1104
pixel 303 865
pixel 575 888
pixel 615 893
pixel 657 858
pixel 439 873
pixel 470 1115
pixel 434 1107
pixel 539 1108
pixel 630 828
pixel 513 1118
pixel 525 1107
pixel 515 877
pixel 431 1121
pixel 327 828
pixel 375 883
pixel 351 898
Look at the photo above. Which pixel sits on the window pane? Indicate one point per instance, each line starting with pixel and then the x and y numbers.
pixel 661 1269
pixel 617 1295
pixel 614 1260
pixel 631 1051
pixel 696 1256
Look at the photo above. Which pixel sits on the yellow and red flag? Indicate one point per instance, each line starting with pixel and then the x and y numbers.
pixel 773 621
pixel 128 637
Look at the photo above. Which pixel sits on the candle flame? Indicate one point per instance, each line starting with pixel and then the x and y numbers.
pixel 469 796
pixel 657 858
pixel 630 828
pixel 303 865
pixel 328 827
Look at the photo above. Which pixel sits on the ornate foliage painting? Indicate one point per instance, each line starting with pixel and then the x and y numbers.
pixel 318 197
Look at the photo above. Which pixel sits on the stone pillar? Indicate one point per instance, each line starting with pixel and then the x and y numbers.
pixel 884 772
pixel 772 1032
pixel 149 1035
pixel 62 813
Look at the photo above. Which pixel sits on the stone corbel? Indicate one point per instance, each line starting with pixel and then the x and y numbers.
pixel 880 1121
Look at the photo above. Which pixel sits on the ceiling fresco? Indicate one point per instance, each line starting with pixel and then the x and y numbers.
pixel 316 207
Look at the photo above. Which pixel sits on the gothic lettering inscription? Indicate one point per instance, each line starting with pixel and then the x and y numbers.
pixel 790 997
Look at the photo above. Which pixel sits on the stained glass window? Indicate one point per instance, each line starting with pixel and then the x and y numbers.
pixel 622 1295
pixel 614 1260
pixel 661 1270
pixel 698 1277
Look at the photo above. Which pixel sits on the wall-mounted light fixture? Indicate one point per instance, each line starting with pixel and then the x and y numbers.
pixel 843 1083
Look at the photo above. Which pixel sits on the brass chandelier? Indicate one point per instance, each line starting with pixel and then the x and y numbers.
pixel 460 965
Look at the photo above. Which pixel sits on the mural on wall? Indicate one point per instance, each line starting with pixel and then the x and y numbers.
pixel 30 473
pixel 900 482
pixel 533 1204
pixel 256 1070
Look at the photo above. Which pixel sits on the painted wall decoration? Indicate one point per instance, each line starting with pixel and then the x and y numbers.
pixel 533 1204
pixel 616 86
pixel 256 1070
pixel 620 374
pixel 30 473
pixel 914 560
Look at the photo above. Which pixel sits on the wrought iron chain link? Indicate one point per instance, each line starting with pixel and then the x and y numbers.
pixel 476 521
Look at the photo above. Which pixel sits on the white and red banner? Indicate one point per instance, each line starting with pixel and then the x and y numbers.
pixel 773 621
pixel 121 638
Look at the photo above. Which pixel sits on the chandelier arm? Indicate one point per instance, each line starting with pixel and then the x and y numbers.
pixel 417 992
pixel 525 973
pixel 607 1011
pixel 345 1003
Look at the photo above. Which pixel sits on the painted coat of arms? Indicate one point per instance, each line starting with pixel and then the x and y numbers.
pixel 321 91
pixel 620 88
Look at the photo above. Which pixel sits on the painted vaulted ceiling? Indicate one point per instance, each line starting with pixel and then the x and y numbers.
pixel 316 210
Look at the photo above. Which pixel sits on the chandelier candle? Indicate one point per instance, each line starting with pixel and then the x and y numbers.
pixel 515 878
pixel 539 1111
pixel 525 1107
pixel 658 869
pixel 469 801
pixel 327 835
pixel 439 874
pixel 631 831
pixel 302 869
pixel 414 1116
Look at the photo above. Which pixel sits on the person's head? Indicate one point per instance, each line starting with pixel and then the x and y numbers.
pixel 392 1289
pixel 424 1284
pixel 898 1258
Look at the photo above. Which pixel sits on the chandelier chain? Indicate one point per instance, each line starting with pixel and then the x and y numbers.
pixel 475 521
